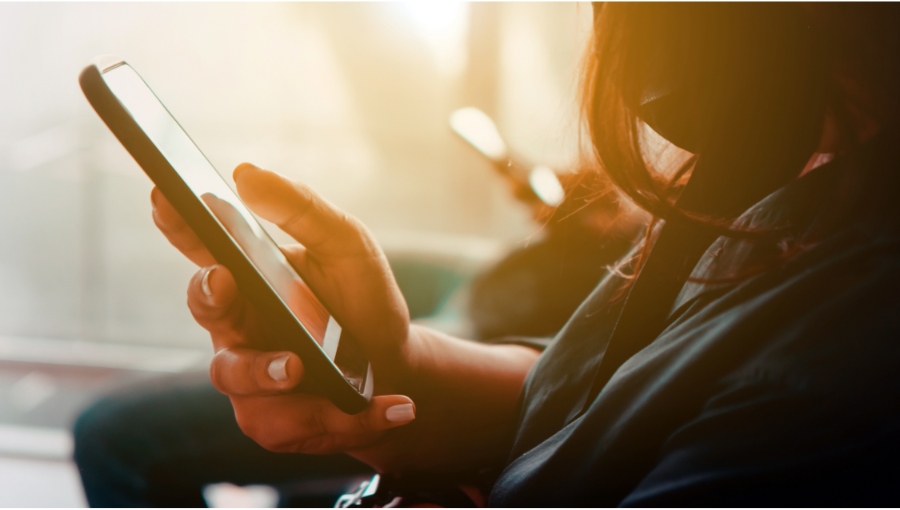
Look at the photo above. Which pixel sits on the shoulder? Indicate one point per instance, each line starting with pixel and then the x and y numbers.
pixel 809 417
pixel 839 284
pixel 831 317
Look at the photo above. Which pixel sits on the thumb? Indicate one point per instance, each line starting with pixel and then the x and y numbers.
pixel 349 431
pixel 384 412
pixel 389 411
pixel 298 210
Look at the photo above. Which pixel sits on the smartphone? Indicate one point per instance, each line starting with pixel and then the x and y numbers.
pixel 334 364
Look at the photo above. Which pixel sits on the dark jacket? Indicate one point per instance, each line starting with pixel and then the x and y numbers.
pixel 773 381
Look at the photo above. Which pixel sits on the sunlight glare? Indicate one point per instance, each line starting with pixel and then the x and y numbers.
pixel 443 26
pixel 475 127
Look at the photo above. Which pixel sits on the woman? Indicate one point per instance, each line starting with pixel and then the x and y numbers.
pixel 745 354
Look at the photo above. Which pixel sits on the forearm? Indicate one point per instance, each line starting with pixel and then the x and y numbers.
pixel 466 394
pixel 444 364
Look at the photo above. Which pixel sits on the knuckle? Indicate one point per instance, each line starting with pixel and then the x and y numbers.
pixel 272 438
pixel 210 316
pixel 362 422
pixel 174 223
pixel 352 227
pixel 268 428
pixel 296 217
pixel 318 445
pixel 227 372
pixel 198 308
pixel 198 311
pixel 271 444
pixel 216 374
pixel 256 428
pixel 318 423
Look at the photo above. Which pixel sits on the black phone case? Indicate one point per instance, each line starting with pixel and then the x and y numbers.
pixel 286 332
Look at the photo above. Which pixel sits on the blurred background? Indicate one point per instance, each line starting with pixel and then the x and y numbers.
pixel 350 98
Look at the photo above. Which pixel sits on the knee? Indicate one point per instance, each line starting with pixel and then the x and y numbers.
pixel 137 425
pixel 99 431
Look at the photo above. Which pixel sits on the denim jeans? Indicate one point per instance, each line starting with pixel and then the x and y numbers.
pixel 158 444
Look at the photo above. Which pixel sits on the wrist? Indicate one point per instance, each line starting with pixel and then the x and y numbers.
pixel 437 364
pixel 416 353
pixel 466 396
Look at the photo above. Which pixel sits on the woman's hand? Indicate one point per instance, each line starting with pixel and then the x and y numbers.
pixel 464 393
pixel 338 258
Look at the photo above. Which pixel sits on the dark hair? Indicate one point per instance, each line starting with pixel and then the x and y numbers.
pixel 747 85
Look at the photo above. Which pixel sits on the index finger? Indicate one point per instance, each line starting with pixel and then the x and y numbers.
pixel 178 232
pixel 299 211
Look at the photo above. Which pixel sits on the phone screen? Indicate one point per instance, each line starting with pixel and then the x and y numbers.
pixel 223 203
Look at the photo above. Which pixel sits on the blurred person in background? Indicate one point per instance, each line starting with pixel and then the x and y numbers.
pixel 744 354
pixel 534 290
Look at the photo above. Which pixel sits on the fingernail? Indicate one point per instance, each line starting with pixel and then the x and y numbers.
pixel 240 169
pixel 204 282
pixel 400 413
pixel 278 368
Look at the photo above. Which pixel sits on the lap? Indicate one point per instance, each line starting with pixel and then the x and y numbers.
pixel 178 431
